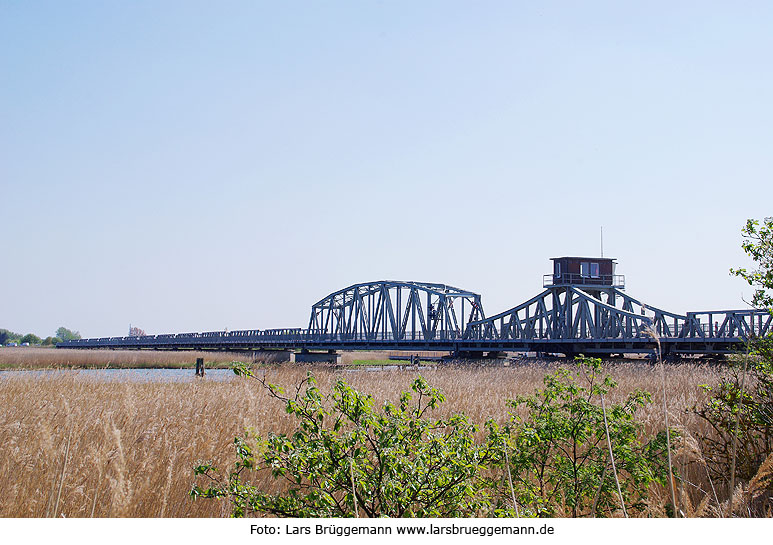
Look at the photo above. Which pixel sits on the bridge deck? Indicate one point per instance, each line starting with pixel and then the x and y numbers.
pixel 252 342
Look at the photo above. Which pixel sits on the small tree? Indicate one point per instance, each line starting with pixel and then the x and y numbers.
pixel 758 244
pixel 740 414
pixel 66 335
pixel 561 447
pixel 346 458
pixel 740 408
pixel 7 336
pixel 31 338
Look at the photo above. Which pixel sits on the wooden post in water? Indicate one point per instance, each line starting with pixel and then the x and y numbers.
pixel 199 367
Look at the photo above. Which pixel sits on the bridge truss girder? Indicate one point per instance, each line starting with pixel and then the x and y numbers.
pixel 395 311
pixel 391 315
pixel 571 313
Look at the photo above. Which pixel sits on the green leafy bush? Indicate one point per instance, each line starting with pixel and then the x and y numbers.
pixel 346 458
pixel 67 335
pixel 739 411
pixel 31 338
pixel 758 244
pixel 740 406
pixel 560 461
pixel 7 336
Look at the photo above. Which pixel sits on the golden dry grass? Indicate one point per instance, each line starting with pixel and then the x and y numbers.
pixel 77 447
pixel 32 357
pixel 376 355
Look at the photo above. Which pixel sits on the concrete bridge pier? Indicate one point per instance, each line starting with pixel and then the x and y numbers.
pixel 271 356
pixel 479 354
pixel 306 356
pixel 468 354
pixel 496 355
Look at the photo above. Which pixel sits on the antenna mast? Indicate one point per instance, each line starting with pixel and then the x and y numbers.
pixel 602 241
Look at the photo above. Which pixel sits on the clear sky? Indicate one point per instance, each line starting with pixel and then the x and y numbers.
pixel 193 166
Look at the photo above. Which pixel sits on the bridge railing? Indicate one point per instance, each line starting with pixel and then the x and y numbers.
pixel 732 325
pixel 269 337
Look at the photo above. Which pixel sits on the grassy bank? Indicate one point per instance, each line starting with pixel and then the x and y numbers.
pixel 375 363
pixel 81 448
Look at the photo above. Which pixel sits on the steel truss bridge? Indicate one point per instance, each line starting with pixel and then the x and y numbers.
pixel 589 315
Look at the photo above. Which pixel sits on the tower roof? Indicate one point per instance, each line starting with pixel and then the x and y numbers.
pixel 586 258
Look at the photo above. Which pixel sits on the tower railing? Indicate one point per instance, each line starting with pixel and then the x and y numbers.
pixel 610 280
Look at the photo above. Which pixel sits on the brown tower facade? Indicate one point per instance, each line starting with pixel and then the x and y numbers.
pixel 584 271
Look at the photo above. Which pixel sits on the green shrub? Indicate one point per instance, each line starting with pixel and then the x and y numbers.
pixel 739 445
pixel 30 338
pixel 346 457
pixel 743 404
pixel 560 455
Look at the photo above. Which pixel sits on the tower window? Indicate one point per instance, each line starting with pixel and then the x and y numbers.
pixel 594 270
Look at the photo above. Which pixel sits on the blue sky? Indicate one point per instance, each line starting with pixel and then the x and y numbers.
pixel 192 166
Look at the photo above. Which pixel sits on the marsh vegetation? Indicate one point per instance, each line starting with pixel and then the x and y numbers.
pixel 80 448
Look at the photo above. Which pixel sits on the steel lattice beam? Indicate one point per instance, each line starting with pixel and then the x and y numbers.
pixel 570 313
pixel 390 310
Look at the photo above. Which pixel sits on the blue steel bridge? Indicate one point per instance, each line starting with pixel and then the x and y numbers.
pixel 583 308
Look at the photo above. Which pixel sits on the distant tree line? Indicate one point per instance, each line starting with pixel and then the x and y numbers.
pixel 62 334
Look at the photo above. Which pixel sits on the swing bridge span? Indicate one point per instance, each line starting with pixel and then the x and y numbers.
pixel 583 308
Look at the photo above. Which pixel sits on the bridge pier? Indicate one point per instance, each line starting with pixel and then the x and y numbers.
pixel 272 356
pixel 468 354
pixel 495 355
pixel 479 354
pixel 671 357
pixel 306 356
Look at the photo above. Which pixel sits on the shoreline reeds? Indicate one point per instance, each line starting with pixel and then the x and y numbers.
pixel 134 444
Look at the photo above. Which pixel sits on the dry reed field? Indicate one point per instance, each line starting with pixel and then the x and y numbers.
pixel 76 447
pixel 30 357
